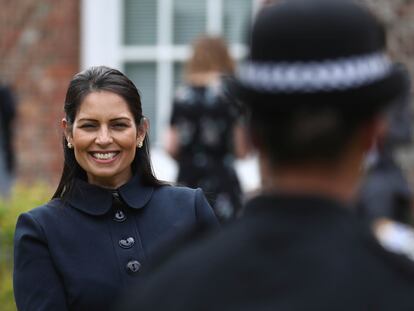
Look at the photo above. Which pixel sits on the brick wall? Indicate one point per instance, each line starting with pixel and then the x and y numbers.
pixel 39 53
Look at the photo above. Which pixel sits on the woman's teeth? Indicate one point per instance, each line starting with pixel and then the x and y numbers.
pixel 104 156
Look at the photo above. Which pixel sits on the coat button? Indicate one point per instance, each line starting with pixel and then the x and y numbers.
pixel 127 243
pixel 133 266
pixel 119 216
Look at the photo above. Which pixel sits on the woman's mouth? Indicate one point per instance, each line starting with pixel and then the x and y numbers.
pixel 104 156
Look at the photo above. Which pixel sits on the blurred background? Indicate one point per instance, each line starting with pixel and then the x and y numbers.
pixel 43 43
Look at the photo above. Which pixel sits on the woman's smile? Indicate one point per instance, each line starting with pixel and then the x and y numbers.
pixel 104 156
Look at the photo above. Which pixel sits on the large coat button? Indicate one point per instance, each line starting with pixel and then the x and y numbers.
pixel 133 266
pixel 119 216
pixel 127 243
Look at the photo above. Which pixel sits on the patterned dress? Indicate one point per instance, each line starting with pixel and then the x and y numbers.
pixel 204 118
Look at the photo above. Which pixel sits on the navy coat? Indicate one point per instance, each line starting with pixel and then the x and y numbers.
pixel 81 254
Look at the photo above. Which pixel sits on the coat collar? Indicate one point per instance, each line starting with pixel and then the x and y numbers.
pixel 95 200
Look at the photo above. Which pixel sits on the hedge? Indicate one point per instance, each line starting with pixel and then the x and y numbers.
pixel 22 199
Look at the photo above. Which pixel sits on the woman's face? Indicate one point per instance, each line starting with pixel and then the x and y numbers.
pixel 105 136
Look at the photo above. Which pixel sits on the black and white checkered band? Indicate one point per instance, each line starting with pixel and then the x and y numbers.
pixel 312 77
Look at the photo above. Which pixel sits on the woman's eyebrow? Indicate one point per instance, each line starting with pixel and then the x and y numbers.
pixel 86 120
pixel 121 119
pixel 95 120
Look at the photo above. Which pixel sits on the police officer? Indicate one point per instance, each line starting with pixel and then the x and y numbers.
pixel 316 82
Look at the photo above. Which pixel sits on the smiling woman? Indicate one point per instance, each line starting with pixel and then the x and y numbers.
pixel 109 212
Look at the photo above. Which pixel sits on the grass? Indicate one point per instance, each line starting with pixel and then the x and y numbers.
pixel 22 199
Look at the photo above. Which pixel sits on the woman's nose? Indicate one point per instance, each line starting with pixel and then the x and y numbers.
pixel 104 137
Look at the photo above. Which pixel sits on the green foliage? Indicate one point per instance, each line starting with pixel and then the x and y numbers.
pixel 22 199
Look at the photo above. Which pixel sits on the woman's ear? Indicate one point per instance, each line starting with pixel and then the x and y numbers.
pixel 143 128
pixel 66 130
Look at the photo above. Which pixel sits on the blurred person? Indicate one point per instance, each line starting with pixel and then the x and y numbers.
pixel 109 212
pixel 7 156
pixel 385 191
pixel 316 84
pixel 206 132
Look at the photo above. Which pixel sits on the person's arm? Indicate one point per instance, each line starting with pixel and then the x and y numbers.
pixel 37 285
pixel 171 139
pixel 171 142
pixel 204 212
pixel 242 144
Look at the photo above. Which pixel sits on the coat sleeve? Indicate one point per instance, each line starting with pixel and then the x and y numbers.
pixel 37 285
pixel 204 212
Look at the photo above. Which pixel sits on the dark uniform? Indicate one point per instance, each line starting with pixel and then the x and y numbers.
pixel 286 253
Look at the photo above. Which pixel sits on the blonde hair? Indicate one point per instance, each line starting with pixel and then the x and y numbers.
pixel 210 54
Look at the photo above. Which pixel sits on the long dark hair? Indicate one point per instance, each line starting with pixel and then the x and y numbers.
pixel 95 79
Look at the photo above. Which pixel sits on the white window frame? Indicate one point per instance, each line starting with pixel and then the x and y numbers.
pixel 101 44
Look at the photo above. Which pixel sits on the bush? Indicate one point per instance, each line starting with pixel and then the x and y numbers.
pixel 22 199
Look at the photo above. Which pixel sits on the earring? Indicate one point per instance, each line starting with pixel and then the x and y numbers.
pixel 70 146
pixel 139 143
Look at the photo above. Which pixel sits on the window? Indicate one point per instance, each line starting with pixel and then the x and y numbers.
pixel 139 22
pixel 144 77
pixel 178 74
pixel 236 18
pixel 150 40
pixel 189 20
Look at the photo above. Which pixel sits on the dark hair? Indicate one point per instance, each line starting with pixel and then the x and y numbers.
pixel 308 132
pixel 96 79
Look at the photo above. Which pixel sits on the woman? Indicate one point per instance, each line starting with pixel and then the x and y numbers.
pixel 83 248
pixel 205 132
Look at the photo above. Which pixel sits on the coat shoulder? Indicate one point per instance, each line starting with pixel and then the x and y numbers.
pixel 177 191
pixel 177 196
pixel 45 211
pixel 185 203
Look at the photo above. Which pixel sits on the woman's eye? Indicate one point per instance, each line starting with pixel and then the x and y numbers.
pixel 120 125
pixel 87 125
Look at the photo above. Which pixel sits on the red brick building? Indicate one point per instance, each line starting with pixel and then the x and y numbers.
pixel 39 52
